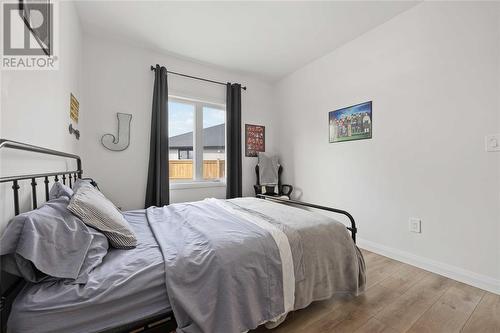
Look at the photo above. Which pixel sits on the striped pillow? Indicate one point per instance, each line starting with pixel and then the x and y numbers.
pixel 98 212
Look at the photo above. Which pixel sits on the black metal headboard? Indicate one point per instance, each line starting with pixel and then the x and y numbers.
pixel 15 179
pixel 11 285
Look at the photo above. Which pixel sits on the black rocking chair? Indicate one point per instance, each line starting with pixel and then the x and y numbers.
pixel 283 189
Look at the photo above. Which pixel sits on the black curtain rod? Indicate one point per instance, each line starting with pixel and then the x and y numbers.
pixel 196 77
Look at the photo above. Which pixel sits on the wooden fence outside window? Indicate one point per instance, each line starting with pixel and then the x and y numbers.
pixel 183 169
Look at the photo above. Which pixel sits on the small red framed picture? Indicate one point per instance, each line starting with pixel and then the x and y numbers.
pixel 255 140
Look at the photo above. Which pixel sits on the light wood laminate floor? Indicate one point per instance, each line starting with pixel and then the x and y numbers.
pixel 400 298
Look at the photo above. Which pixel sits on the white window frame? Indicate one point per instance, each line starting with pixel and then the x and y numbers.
pixel 198 181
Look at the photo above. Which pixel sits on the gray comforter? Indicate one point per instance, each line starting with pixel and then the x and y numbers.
pixel 233 265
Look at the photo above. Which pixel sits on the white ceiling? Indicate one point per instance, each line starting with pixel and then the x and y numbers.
pixel 269 39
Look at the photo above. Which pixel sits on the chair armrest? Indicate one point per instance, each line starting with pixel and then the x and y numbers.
pixel 286 189
pixel 257 189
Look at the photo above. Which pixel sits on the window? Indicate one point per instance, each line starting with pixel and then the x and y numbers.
pixel 181 120
pixel 214 143
pixel 197 140
pixel 185 154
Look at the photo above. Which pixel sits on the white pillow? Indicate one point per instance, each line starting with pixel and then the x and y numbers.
pixel 98 212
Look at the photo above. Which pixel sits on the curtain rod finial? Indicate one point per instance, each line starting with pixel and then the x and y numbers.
pixel 152 68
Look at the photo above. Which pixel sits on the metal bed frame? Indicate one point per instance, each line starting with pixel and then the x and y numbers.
pixel 352 228
pixel 11 285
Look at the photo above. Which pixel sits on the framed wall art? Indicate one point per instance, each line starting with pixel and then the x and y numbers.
pixel 351 123
pixel 255 140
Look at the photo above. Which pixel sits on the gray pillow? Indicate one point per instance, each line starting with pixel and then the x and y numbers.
pixel 97 250
pixel 60 190
pixel 51 242
pixel 98 212
pixel 79 183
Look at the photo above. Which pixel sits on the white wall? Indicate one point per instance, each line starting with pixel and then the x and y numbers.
pixel 498 126
pixel 433 76
pixel 118 79
pixel 35 110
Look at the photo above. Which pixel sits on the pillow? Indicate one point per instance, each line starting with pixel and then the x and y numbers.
pixel 79 183
pixel 95 255
pixel 60 190
pixel 98 212
pixel 51 242
pixel 97 250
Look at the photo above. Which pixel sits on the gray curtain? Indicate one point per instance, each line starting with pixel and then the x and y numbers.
pixel 233 142
pixel 157 189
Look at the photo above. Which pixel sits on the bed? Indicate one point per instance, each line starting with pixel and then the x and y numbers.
pixel 208 266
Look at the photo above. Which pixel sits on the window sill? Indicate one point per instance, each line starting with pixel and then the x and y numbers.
pixel 196 184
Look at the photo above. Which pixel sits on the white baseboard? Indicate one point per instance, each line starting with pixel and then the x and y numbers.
pixel 459 274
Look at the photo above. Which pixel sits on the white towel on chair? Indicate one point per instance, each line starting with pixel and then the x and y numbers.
pixel 268 169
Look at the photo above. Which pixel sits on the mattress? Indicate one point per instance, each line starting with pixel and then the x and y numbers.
pixel 129 285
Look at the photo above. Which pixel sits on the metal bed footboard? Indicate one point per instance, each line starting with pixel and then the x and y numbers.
pixel 352 228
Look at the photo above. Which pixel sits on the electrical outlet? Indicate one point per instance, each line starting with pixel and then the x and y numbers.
pixel 415 225
pixel 492 142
